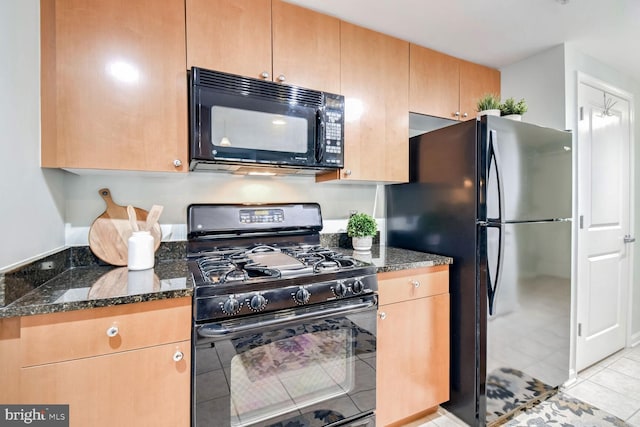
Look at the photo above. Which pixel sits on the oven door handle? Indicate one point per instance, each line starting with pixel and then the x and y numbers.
pixel 233 327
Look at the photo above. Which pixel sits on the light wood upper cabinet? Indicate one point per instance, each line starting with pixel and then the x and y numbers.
pixel 374 73
pixel 475 81
pixel 434 82
pixel 114 90
pixel 306 47
pixel 77 358
pixel 275 40
pixel 448 87
pixel 413 316
pixel 232 36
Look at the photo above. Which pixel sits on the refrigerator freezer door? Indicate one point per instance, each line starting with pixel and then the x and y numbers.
pixel 529 171
pixel 528 331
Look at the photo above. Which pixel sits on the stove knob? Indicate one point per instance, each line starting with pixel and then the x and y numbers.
pixel 302 296
pixel 340 289
pixel 231 306
pixel 357 286
pixel 258 302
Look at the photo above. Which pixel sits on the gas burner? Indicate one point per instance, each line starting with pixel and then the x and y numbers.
pixel 325 266
pixel 261 249
pixel 234 275
pixel 344 261
pixel 309 259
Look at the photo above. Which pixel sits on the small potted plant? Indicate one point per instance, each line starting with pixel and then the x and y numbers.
pixel 361 228
pixel 488 105
pixel 513 110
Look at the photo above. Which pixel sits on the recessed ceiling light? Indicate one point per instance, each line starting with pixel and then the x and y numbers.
pixel 563 1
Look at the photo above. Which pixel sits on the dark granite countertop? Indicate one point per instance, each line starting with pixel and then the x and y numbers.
pixel 102 286
pixel 74 279
pixel 388 258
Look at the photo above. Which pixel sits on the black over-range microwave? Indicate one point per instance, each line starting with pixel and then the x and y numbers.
pixel 245 125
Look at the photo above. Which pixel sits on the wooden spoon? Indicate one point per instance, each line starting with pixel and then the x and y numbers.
pixel 154 215
pixel 133 220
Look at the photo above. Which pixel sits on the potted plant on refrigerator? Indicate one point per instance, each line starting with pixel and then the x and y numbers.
pixel 361 228
pixel 513 110
pixel 488 105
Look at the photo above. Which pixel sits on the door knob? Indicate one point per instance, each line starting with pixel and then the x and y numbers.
pixel 629 239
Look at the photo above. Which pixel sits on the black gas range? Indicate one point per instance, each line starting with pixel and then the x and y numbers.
pixel 284 327
pixel 251 259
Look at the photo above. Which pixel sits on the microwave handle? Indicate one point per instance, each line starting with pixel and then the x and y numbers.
pixel 321 140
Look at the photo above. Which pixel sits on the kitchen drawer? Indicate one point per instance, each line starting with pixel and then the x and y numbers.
pixel 403 285
pixel 56 337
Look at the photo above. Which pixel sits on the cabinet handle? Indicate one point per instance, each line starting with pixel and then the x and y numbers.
pixel 177 163
pixel 112 331
pixel 281 78
pixel 415 283
pixel 465 115
pixel 382 315
pixel 457 114
pixel 264 75
pixel 177 356
pixel 347 172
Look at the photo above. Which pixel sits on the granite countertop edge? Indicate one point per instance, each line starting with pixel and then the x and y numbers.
pixel 43 297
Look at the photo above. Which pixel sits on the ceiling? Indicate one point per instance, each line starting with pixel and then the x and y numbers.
pixel 497 33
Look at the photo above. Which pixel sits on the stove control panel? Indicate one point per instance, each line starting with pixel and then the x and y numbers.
pixel 245 303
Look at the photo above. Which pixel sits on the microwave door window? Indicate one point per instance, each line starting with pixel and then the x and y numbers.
pixel 235 129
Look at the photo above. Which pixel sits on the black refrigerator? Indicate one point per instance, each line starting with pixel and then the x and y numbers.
pixel 495 194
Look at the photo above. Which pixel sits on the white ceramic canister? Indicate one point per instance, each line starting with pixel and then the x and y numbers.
pixel 141 251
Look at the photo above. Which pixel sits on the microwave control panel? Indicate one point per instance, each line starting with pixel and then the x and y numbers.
pixel 330 148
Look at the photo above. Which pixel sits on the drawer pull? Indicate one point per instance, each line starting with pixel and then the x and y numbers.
pixel 177 356
pixel 415 283
pixel 112 331
pixel 382 315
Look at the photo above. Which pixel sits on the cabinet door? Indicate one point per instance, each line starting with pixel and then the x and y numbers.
pixel 54 337
pixel 306 47
pixel 114 92
pixel 375 82
pixel 9 359
pixel 434 83
pixel 412 358
pixel 232 36
pixel 475 81
pixel 143 387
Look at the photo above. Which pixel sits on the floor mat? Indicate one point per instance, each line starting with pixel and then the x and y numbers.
pixel 508 389
pixel 562 410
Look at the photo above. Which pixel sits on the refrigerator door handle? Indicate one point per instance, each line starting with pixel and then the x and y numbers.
pixel 492 286
pixel 494 159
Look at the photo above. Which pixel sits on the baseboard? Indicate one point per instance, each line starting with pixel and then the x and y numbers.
pixel 635 339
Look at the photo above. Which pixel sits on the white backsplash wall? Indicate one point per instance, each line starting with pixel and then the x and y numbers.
pixel 31 199
pixel 176 191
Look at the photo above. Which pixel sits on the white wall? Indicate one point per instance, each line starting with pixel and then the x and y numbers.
pixel 32 202
pixel 538 79
pixel 176 191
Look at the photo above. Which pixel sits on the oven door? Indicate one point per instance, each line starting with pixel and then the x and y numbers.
pixel 311 366
pixel 246 129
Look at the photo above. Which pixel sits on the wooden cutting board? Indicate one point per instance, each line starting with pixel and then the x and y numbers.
pixel 110 231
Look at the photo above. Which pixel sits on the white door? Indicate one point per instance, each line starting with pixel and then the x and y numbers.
pixel 604 221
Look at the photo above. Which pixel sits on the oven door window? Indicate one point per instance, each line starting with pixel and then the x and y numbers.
pixel 256 130
pixel 321 371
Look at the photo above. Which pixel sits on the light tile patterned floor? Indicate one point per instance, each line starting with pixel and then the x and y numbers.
pixel 612 385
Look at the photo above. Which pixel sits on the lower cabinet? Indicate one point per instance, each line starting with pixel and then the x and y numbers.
pixel 413 344
pixel 115 366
